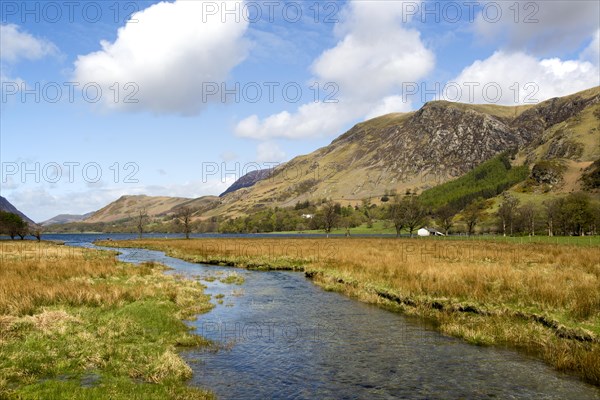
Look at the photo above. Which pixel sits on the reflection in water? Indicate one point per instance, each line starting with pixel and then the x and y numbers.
pixel 288 339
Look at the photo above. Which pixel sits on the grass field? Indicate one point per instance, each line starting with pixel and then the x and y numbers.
pixel 382 228
pixel 77 324
pixel 541 297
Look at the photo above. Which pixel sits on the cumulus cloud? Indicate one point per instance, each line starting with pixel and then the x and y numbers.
pixel 17 45
pixel 169 54
pixel 539 27
pixel 375 54
pixel 515 78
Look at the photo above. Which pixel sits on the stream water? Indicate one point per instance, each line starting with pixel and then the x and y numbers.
pixel 285 338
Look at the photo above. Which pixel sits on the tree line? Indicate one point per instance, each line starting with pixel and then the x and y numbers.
pixel 15 226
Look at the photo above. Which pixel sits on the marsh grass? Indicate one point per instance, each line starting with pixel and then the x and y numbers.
pixel 543 298
pixel 77 324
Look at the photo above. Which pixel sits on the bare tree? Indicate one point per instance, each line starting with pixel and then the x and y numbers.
pixel 527 212
pixel 414 213
pixel 330 216
pixel 36 231
pixel 444 217
pixel 141 219
pixel 506 212
pixel 397 214
pixel 185 216
pixel 473 214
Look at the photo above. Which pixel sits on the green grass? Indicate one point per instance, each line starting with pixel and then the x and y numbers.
pixel 118 353
pixel 379 228
pixel 593 241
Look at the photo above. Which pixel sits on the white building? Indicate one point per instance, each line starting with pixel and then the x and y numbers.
pixel 429 232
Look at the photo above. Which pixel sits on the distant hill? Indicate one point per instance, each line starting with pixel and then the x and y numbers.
pixel 66 219
pixel 127 207
pixel 248 180
pixel 438 143
pixel 7 207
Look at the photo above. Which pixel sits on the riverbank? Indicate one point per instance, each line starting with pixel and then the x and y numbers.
pixel 542 298
pixel 77 324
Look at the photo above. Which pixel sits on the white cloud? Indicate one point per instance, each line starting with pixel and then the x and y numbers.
pixel 592 52
pixel 374 56
pixel 169 54
pixel 536 79
pixel 16 45
pixel 540 27
pixel 269 152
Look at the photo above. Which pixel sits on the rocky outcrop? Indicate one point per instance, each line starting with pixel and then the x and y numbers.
pixel 248 180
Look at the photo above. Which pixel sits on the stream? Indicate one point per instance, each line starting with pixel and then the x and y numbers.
pixel 285 338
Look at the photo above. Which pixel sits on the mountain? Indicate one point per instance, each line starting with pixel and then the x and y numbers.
pixel 248 180
pixel 66 219
pixel 127 207
pixel 553 148
pixel 418 150
pixel 7 207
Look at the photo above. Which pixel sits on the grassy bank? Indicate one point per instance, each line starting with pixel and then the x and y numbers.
pixel 77 324
pixel 543 298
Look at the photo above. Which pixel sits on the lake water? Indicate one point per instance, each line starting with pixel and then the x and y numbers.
pixel 286 338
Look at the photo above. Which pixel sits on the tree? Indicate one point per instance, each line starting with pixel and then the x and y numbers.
pixel 506 212
pixel 36 231
pixel 13 225
pixel 552 208
pixel 577 212
pixel 396 214
pixel 527 213
pixel 185 217
pixel 141 219
pixel 473 214
pixel 444 217
pixel 330 216
pixel 414 213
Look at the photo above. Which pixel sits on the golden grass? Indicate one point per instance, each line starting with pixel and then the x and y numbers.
pixel 542 297
pixel 70 312
pixel 35 275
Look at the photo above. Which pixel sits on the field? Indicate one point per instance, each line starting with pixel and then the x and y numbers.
pixel 543 298
pixel 77 324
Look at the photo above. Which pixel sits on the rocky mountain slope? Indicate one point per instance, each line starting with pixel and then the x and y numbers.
pixel 248 180
pixel 427 147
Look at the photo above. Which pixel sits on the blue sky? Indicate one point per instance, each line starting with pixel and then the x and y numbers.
pixel 162 123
